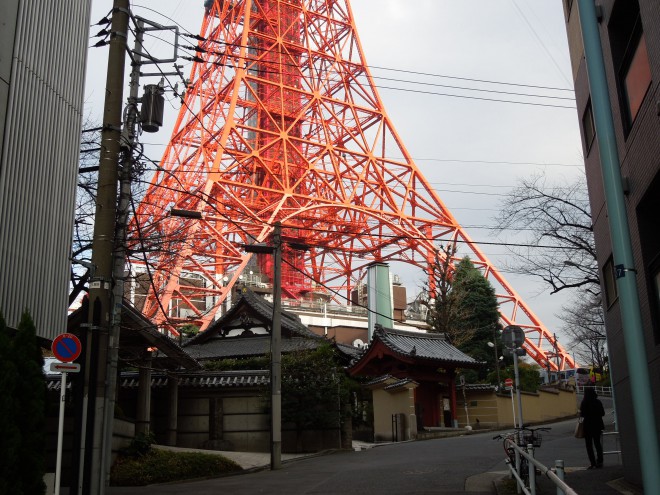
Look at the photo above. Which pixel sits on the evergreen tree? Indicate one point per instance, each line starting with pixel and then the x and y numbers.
pixel 10 435
pixel 444 303
pixel 479 315
pixel 314 388
pixel 529 375
pixel 30 394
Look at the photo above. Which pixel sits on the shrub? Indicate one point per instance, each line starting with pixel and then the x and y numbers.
pixel 140 445
pixel 22 411
pixel 162 466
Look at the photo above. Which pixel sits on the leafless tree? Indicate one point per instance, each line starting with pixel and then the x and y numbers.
pixel 584 324
pixel 559 216
pixel 83 226
pixel 139 245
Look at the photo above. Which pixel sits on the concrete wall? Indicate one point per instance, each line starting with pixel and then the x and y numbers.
pixel 495 410
pixel 386 404
pixel 233 421
pixel 122 435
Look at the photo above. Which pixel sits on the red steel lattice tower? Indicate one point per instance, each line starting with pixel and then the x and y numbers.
pixel 282 122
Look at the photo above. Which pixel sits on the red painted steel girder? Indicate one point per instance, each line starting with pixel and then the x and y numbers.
pixel 282 122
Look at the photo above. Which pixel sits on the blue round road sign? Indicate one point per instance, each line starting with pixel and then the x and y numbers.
pixel 66 347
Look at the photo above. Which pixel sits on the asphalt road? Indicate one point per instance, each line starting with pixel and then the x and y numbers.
pixel 439 466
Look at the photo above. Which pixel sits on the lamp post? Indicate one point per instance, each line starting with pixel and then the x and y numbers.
pixel 275 336
pixel 493 344
pixel 497 363
pixel 276 354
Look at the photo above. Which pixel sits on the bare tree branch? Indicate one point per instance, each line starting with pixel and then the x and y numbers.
pixel 559 216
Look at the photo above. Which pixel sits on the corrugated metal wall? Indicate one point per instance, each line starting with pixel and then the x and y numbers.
pixel 39 161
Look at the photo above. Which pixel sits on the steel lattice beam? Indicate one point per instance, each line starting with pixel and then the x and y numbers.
pixel 282 122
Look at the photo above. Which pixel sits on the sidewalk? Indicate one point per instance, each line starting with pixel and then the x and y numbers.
pixel 605 481
pixel 247 460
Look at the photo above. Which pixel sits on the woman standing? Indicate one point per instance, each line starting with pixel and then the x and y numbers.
pixel 592 411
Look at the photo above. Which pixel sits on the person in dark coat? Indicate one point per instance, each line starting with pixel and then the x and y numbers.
pixel 592 411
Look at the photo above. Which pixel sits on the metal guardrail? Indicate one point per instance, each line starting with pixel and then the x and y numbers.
pixel 614 434
pixel 602 391
pixel 556 476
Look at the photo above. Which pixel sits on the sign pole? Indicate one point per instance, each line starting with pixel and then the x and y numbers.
pixel 60 435
pixel 508 385
pixel 513 407
pixel 517 385
pixel 66 347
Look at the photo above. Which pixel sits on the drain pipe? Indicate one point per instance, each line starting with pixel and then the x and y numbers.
pixel 633 330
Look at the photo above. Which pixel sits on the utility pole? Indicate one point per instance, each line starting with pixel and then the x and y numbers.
pixel 275 339
pixel 119 254
pixel 276 354
pixel 97 336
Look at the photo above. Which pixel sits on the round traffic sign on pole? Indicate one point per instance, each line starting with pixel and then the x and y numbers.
pixel 508 383
pixel 513 336
pixel 66 347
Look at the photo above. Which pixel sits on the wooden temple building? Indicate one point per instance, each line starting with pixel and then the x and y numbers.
pixel 414 381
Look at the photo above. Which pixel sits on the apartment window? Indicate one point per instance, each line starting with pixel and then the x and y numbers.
pixel 588 128
pixel 655 298
pixel 649 235
pixel 609 281
pixel 636 79
pixel 630 58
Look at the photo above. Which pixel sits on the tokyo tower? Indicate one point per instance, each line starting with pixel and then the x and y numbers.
pixel 282 122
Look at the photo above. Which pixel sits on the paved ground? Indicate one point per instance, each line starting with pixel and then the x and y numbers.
pixel 605 481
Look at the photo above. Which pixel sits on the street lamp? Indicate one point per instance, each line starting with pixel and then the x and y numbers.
pixel 497 363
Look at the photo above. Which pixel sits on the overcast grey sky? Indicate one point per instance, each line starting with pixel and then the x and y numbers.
pixel 470 149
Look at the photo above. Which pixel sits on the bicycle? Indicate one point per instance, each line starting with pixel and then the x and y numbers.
pixel 522 437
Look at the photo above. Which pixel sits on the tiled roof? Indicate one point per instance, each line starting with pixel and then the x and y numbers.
pixel 482 387
pixel 137 334
pixel 150 334
pixel 209 379
pixel 291 324
pixel 394 383
pixel 400 384
pixel 350 351
pixel 432 346
pixel 200 379
pixel 380 379
pixel 246 347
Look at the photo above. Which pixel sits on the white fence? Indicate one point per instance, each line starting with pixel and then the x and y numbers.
pixel 601 391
